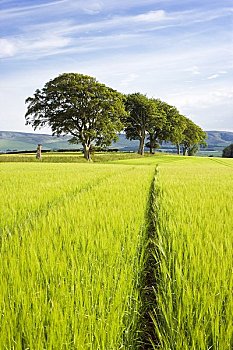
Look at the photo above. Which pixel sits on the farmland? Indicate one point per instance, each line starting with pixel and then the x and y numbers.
pixel 75 244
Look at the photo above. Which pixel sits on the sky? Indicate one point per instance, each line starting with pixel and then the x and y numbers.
pixel 180 51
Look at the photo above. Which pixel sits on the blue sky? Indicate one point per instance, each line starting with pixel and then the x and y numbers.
pixel 180 51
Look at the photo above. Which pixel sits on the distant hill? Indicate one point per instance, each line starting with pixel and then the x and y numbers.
pixel 20 141
pixel 219 138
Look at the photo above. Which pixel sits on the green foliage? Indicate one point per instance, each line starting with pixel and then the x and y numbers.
pixel 77 105
pixel 172 126
pixel 158 122
pixel 193 150
pixel 93 113
pixel 144 115
pixel 228 151
pixel 193 136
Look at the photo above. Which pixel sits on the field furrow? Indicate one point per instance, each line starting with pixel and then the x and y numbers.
pixel 193 251
pixel 107 256
pixel 69 279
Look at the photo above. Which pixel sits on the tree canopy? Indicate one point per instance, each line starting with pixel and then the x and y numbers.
pixel 193 136
pixel 93 114
pixel 228 151
pixel 142 118
pixel 171 126
pixel 78 105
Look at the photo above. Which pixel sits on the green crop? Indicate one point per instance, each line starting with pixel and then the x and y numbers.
pixel 71 240
pixel 105 257
pixel 193 251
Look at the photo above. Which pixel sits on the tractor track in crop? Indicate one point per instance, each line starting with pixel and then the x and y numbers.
pixel 222 162
pixel 149 278
pixel 44 209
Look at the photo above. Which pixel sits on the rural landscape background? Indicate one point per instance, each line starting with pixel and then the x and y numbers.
pixel 19 141
pixel 106 243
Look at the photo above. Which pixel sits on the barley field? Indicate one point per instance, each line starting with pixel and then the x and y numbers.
pixel 194 254
pixel 75 242
pixel 70 244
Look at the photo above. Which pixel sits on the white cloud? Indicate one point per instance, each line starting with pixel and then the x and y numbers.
pixel 21 11
pixel 213 76
pixel 194 70
pixel 46 44
pixel 63 7
pixel 128 79
pixel 158 53
pixel 198 16
pixel 151 16
pixel 93 7
pixel 7 48
pixel 28 47
pixel 120 23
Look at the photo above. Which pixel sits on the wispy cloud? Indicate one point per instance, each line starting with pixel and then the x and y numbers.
pixel 213 76
pixel 20 11
pixel 7 48
pixel 194 70
pixel 49 37
pixel 171 50
pixel 217 75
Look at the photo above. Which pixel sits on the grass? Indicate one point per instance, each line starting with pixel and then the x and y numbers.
pixel 78 270
pixel 193 251
pixel 71 250
pixel 69 157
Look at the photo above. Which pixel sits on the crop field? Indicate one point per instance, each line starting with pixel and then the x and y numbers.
pixel 68 157
pixel 70 244
pixel 194 245
pixel 75 241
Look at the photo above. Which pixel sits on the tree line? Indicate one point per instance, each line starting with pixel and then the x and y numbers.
pixel 93 114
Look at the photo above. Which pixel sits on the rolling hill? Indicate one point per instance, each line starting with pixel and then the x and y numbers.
pixel 20 141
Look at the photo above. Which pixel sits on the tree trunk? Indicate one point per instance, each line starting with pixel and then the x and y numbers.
pixel 151 144
pixel 178 149
pixel 184 151
pixel 38 152
pixel 141 144
pixel 86 151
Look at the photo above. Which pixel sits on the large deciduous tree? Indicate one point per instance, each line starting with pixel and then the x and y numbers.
pixel 156 124
pixel 141 119
pixel 80 106
pixel 171 125
pixel 193 136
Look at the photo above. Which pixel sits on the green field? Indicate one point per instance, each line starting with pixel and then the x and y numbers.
pixel 132 253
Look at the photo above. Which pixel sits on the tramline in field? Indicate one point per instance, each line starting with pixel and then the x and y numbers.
pixel 70 255
pixel 74 245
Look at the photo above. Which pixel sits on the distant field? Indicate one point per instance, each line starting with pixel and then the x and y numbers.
pixel 69 157
pixel 112 256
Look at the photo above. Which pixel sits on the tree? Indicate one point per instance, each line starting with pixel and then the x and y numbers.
pixel 171 126
pixel 193 136
pixel 78 105
pixel 156 124
pixel 228 151
pixel 152 143
pixel 178 124
pixel 141 116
